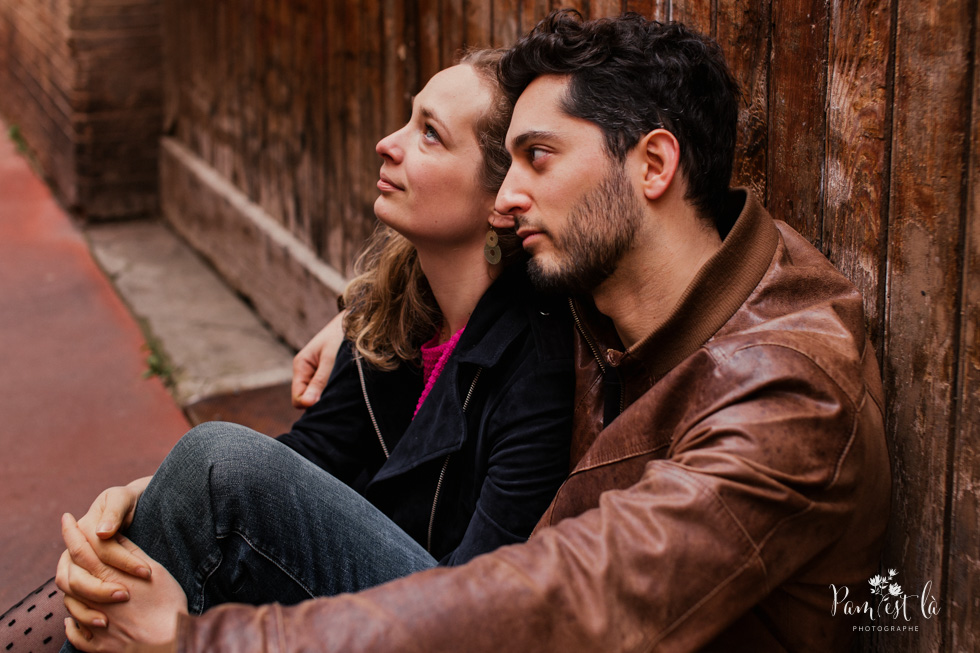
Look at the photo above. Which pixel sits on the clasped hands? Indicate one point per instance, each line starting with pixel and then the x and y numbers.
pixel 120 599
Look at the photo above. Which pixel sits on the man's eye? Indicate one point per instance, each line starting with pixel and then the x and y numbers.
pixel 536 154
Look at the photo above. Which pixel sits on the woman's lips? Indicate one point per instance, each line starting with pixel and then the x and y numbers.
pixel 386 184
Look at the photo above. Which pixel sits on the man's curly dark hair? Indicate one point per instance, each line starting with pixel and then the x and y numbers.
pixel 629 76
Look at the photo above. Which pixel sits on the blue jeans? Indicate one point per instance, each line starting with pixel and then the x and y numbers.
pixel 235 516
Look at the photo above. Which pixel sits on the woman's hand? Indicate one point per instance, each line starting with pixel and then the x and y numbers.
pixel 314 362
pixel 112 510
pixel 149 616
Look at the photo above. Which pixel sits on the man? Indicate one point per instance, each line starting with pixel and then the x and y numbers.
pixel 728 461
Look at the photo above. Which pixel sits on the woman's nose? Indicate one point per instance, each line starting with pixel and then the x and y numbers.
pixel 389 147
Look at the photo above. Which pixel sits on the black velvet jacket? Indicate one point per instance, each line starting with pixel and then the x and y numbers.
pixel 460 481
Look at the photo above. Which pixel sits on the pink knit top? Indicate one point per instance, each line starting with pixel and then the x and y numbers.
pixel 434 357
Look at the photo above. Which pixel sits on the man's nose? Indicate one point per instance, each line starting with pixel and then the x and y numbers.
pixel 512 199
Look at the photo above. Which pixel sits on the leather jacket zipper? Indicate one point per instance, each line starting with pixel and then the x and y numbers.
pixel 367 402
pixel 595 351
pixel 445 464
pixel 588 338
pixel 384 447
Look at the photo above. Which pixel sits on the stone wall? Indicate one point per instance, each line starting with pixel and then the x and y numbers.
pixel 81 81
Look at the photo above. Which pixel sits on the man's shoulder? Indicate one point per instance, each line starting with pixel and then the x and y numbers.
pixel 802 308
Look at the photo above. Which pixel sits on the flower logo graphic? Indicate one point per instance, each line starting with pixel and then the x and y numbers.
pixel 884 587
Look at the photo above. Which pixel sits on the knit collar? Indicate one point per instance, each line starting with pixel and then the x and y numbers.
pixel 717 291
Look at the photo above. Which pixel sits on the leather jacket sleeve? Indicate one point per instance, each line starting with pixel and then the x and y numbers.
pixel 769 462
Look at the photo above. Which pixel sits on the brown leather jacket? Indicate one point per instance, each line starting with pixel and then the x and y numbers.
pixel 746 473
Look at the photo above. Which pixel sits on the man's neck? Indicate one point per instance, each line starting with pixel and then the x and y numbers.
pixel 651 278
pixel 458 280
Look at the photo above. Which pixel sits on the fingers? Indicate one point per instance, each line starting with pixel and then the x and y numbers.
pixel 114 508
pixel 314 363
pixel 85 616
pixel 79 636
pixel 80 572
pixel 110 552
pixel 78 583
pixel 304 368
pixel 318 382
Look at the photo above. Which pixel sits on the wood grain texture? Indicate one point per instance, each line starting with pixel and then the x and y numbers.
pixel 652 9
pixel 797 118
pixel 337 190
pixel 452 32
pixel 533 11
pixel 963 596
pixel 743 33
pixel 698 14
pixel 479 19
pixel 932 100
pixel 858 150
pixel 506 22
pixel 603 8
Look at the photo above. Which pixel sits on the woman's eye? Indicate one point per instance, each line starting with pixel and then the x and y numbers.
pixel 430 134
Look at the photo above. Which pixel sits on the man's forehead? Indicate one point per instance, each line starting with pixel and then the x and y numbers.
pixel 540 113
pixel 541 99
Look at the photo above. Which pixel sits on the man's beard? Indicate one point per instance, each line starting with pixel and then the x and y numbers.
pixel 600 229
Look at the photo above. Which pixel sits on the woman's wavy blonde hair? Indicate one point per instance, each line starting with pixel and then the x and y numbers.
pixel 391 311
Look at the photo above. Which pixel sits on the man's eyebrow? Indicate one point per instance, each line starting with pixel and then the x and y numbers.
pixel 522 139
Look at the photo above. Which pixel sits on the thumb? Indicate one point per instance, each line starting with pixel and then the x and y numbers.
pixel 315 388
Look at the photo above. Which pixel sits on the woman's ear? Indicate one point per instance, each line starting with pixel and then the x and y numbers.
pixel 660 157
pixel 500 220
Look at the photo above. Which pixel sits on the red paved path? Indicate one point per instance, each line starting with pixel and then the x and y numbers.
pixel 75 413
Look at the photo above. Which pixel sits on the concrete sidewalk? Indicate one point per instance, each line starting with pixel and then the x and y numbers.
pixel 76 413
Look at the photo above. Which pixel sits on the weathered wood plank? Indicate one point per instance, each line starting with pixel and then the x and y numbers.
pixel 697 14
pixel 932 97
pixel 337 133
pixel 857 150
pixel 652 9
pixel 353 126
pixel 506 23
pixel 372 127
pixel 315 133
pixel 429 49
pixel 478 19
pixel 963 598
pixel 743 33
pixel 797 115
pixel 397 67
pixel 602 8
pixel 533 11
pixel 452 32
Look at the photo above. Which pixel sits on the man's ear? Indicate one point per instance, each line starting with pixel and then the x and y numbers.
pixel 660 155
pixel 501 220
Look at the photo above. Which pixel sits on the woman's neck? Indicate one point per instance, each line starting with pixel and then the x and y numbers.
pixel 458 280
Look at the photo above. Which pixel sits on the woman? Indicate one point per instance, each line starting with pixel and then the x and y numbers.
pixel 399 469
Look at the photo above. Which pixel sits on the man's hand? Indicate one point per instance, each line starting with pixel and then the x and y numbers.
pixel 314 362
pixel 149 616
